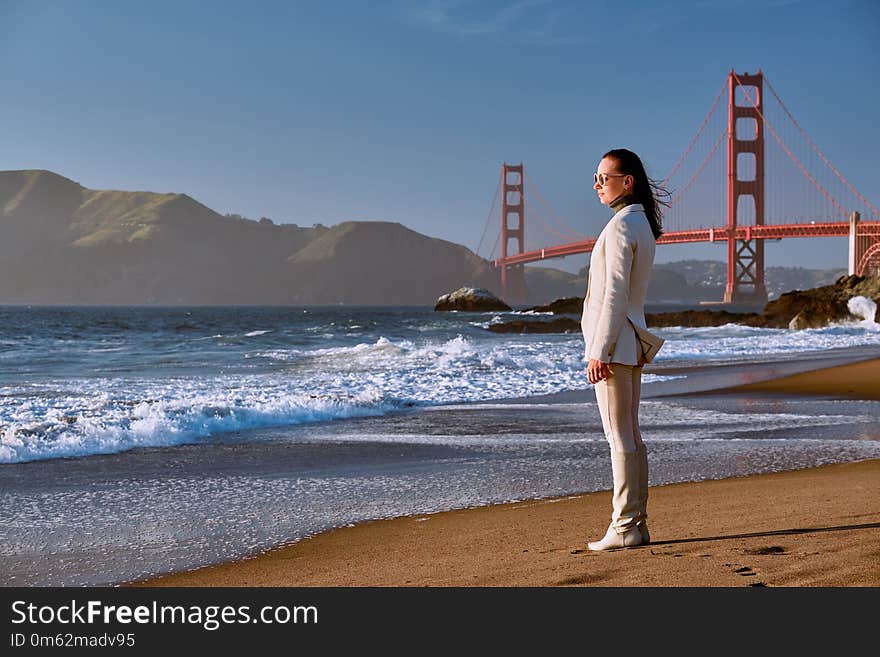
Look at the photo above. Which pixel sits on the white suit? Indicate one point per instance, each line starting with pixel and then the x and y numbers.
pixel 620 270
pixel 615 332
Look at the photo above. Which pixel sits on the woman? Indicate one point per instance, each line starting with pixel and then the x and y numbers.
pixel 617 341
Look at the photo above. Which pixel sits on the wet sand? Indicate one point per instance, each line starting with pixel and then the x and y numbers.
pixel 854 381
pixel 812 527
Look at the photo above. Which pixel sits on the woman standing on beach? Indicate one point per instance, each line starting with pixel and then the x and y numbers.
pixel 615 333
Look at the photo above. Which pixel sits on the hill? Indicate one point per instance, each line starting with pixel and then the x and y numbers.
pixel 61 243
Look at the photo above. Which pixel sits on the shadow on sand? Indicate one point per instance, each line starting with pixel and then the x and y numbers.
pixel 778 532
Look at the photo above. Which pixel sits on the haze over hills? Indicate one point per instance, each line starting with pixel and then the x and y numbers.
pixel 61 243
pixel 707 278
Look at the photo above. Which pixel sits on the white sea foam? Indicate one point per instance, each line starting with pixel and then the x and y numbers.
pixel 107 415
pixel 866 309
pixel 94 421
pixel 369 375
pixel 735 341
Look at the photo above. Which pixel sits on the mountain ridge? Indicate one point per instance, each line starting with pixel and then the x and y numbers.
pixel 63 243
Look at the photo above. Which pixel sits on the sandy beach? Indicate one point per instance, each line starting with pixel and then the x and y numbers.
pixel 854 381
pixel 813 527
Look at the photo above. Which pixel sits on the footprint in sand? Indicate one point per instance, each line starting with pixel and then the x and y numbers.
pixel 742 571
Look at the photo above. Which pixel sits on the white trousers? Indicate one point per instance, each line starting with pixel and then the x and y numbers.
pixel 618 400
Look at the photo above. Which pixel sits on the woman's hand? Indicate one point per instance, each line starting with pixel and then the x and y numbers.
pixel 597 371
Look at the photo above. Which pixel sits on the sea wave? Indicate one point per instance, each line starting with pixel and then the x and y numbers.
pixel 101 424
pixel 93 402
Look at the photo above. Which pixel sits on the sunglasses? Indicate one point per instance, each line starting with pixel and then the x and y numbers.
pixel 602 178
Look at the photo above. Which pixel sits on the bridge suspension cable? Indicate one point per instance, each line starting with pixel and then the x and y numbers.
pixel 700 168
pixel 809 200
pixel 819 152
pixel 552 215
pixel 794 159
pixel 488 219
pixel 543 223
pixel 696 136
pixel 494 246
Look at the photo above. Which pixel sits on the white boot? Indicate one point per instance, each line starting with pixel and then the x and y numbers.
pixel 623 530
pixel 612 540
pixel 643 494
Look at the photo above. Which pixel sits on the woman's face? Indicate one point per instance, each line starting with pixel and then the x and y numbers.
pixel 616 183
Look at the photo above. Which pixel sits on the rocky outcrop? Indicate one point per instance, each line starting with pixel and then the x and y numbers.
pixel 820 306
pixel 575 305
pixel 799 321
pixel 566 306
pixel 559 325
pixel 698 318
pixel 473 299
pixel 798 309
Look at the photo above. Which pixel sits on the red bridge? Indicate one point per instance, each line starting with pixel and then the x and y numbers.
pixel 777 188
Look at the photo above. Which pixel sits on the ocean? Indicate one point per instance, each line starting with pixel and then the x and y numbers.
pixel 140 440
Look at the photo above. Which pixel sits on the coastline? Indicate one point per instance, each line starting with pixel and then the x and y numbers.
pixel 810 527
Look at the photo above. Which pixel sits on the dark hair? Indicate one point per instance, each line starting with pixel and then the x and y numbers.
pixel 647 192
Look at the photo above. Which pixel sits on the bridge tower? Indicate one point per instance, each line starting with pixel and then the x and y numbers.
pixel 745 258
pixel 864 248
pixel 513 277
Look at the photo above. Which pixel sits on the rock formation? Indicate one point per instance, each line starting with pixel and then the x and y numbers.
pixel 798 309
pixel 473 299
pixel 820 306
pixel 558 325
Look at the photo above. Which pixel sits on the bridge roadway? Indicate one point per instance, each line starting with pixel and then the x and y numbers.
pixel 767 232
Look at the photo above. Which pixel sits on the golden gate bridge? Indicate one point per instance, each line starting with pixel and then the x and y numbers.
pixel 772 183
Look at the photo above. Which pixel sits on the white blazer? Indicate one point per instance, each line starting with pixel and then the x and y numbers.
pixel 620 269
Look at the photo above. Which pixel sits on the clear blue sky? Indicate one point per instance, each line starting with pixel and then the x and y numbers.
pixel 322 111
